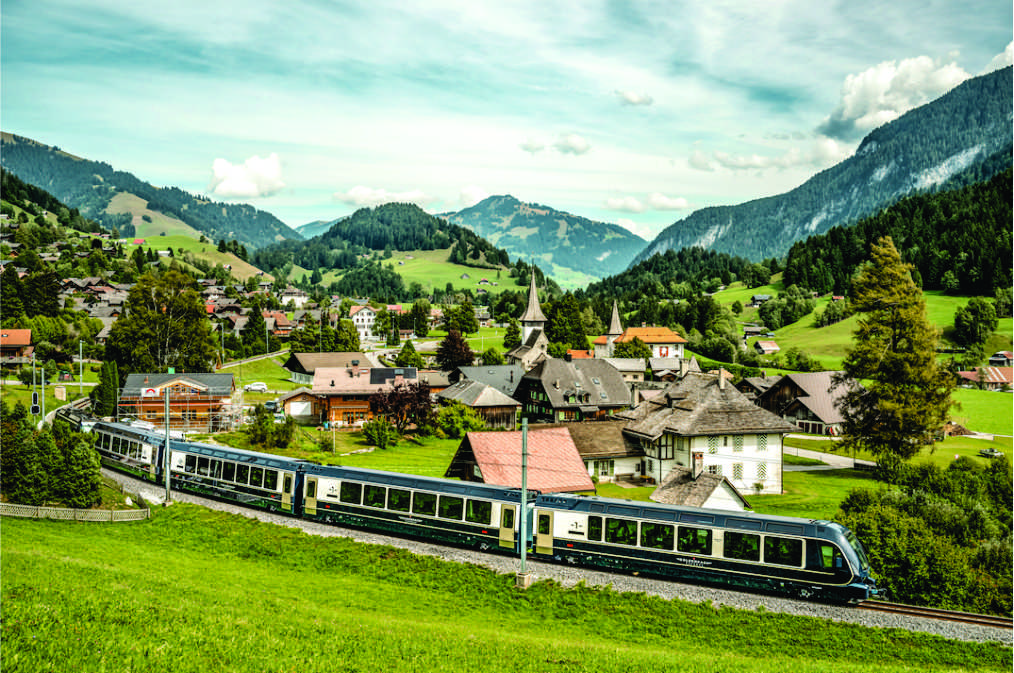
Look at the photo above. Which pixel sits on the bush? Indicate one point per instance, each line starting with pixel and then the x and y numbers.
pixel 380 432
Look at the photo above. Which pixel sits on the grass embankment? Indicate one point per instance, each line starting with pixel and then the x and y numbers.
pixel 195 590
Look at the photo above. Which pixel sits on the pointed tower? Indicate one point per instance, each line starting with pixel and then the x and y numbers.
pixel 533 319
pixel 615 329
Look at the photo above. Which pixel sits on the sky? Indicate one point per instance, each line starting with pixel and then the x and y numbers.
pixel 635 113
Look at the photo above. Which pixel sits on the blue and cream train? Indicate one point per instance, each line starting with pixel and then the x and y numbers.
pixel 799 557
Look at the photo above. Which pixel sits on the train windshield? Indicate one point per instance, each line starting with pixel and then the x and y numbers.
pixel 864 563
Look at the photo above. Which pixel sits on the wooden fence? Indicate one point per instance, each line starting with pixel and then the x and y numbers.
pixel 33 512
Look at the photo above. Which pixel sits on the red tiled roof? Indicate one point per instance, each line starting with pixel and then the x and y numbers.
pixel 993 375
pixel 649 335
pixel 554 464
pixel 15 337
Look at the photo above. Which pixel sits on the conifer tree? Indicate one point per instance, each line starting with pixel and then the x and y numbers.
pixel 905 394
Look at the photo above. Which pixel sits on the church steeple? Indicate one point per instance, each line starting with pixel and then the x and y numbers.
pixel 533 318
pixel 615 328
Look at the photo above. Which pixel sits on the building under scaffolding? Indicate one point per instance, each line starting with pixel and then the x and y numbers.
pixel 197 402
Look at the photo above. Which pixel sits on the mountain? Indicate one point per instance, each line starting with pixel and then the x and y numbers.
pixel 918 152
pixel 532 231
pixel 119 199
pixel 315 228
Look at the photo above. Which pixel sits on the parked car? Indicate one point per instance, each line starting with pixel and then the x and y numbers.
pixel 271 405
pixel 256 387
pixel 990 453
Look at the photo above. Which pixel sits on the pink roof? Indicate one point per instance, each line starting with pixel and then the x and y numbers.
pixel 16 337
pixel 554 464
pixel 993 375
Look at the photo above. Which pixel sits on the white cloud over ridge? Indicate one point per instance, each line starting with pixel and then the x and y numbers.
pixel 1001 60
pixel 655 201
pixel 823 152
pixel 886 91
pixel 256 177
pixel 634 98
pixel 367 197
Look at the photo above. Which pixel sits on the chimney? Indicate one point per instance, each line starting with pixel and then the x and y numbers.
pixel 568 356
pixel 355 368
pixel 721 379
pixel 697 462
pixel 512 376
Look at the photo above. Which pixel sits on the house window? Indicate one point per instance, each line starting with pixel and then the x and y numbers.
pixel 762 471
pixel 737 443
pixel 715 470
pixel 762 442
pixel 737 470
pixel 713 444
pixel 725 440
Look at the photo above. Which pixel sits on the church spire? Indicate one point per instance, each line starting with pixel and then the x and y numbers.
pixel 614 323
pixel 533 313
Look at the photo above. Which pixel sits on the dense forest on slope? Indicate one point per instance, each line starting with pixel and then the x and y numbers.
pixel 393 226
pixel 958 240
pixel 918 152
pixel 31 199
pixel 90 186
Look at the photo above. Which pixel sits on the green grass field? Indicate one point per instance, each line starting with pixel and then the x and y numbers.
pixel 197 590
pixel 431 269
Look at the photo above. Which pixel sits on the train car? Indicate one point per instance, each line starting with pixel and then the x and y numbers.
pixel 799 557
pixel 135 451
pixel 252 479
pixel 442 510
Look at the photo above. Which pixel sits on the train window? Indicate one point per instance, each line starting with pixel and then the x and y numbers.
pixel 830 557
pixel 216 468
pixel 311 488
pixel 270 479
pixel 694 540
pixel 256 476
pixel 783 551
pixel 202 466
pixel 656 536
pixel 545 524
pixel 351 493
pixel 508 518
pixel 621 531
pixel 242 473
pixel 398 500
pixel 595 528
pixel 190 465
pixel 135 450
pixel 451 507
pixel 742 546
pixel 375 496
pixel 286 483
pixel 424 503
pixel 229 471
pixel 479 511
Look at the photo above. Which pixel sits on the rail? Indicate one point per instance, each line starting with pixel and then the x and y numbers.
pixel 68 514
pixel 936 613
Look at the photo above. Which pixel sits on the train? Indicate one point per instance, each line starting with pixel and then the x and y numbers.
pixel 803 558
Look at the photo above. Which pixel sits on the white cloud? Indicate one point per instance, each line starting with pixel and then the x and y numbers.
pixel 700 161
pixel 886 91
pixel 663 202
pixel 627 204
pixel 362 197
pixel 254 178
pixel 571 143
pixel 1001 60
pixel 645 231
pixel 471 195
pixel 823 152
pixel 532 146
pixel 634 98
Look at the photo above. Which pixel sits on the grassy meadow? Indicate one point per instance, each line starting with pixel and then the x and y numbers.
pixel 198 590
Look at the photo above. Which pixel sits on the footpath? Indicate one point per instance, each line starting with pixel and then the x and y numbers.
pixel 832 461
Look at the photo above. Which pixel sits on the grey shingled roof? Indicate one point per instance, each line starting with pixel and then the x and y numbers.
pixel 680 488
pixel 601 381
pixel 307 363
pixel 817 396
pixel 477 394
pixel 600 439
pixel 504 378
pixel 697 405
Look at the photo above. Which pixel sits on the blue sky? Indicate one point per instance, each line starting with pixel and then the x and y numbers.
pixel 630 112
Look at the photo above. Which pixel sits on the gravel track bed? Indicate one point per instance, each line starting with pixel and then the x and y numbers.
pixel 570 575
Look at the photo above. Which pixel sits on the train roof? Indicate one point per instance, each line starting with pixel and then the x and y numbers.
pixel 467 488
pixel 747 521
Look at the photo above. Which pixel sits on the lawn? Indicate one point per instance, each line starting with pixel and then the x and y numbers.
pixel 431 270
pixel 812 495
pixel 984 410
pixel 268 370
pixel 199 590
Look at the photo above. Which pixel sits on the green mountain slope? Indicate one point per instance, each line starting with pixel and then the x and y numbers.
pixel 93 188
pixel 919 152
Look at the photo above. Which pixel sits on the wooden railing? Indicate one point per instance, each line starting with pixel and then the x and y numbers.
pixel 33 512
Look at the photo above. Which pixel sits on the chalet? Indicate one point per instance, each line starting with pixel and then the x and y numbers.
pixel 988 378
pixel 754 386
pixel 495 408
pixel 810 400
pixel 766 347
pixel 277 323
pixel 505 378
pixel 670 369
pixel 1001 359
pixel 296 296
pixel 631 369
pixel 704 413
pixel 346 391
pixel 758 299
pixel 363 317
pixel 301 366
pixel 554 465
pixel 302 405
pixel 557 390
pixel 608 454
pixel 664 343
pixel 16 346
pixel 434 378
pixel 197 402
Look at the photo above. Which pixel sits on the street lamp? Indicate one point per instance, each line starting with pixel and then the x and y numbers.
pixel 80 375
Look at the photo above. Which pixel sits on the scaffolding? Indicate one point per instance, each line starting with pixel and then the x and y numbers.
pixel 190 409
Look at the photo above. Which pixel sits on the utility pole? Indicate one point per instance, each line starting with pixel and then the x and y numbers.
pixel 80 376
pixel 166 463
pixel 523 579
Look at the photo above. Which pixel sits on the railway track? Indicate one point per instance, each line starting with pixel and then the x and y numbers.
pixel 934 613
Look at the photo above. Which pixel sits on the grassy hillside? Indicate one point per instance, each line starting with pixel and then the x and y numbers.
pixel 196 590
pixel 159 222
pixel 207 251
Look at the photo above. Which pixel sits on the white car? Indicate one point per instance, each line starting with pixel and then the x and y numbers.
pixel 256 387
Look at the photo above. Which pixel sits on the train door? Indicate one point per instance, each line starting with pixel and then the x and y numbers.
pixel 310 497
pixel 508 522
pixel 544 533
pixel 287 479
